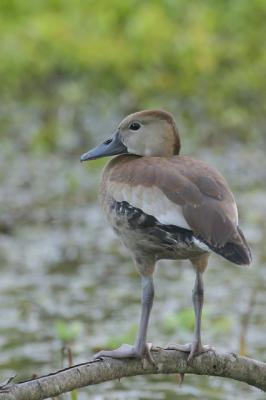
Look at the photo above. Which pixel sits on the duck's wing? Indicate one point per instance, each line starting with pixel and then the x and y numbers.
pixel 207 203
pixel 178 191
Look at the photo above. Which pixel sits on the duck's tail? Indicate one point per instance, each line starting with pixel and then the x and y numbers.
pixel 236 249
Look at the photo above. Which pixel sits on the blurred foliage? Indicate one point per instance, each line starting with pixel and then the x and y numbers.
pixel 67 332
pixel 115 341
pixel 205 61
pixel 183 319
pixel 74 395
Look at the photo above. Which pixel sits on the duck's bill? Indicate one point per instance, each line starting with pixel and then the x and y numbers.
pixel 109 147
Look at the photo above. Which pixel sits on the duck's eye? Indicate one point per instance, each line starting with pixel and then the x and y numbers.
pixel 134 126
pixel 108 141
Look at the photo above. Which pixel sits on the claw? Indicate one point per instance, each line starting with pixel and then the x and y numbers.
pixel 196 350
pixel 148 355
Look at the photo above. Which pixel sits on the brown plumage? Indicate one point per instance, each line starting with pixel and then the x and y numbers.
pixel 206 201
pixel 166 206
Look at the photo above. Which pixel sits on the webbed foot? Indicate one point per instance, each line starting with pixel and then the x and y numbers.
pixel 127 351
pixel 194 349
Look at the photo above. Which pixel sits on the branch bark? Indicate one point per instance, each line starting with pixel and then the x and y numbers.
pixel 227 365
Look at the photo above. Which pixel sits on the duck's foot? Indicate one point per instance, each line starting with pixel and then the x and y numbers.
pixel 128 351
pixel 194 349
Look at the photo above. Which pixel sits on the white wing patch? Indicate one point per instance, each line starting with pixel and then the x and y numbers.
pixel 200 244
pixel 150 200
pixel 236 213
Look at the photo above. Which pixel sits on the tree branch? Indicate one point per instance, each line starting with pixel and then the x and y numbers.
pixel 166 362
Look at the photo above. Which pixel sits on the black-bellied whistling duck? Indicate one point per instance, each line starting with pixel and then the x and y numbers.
pixel 165 206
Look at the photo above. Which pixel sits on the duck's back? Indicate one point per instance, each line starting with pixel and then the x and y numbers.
pixel 180 206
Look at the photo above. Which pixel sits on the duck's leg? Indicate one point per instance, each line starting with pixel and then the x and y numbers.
pixel 147 296
pixel 197 299
pixel 140 348
pixel 196 346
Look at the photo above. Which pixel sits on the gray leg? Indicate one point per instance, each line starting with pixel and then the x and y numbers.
pixel 140 347
pixel 196 346
pixel 147 296
pixel 197 298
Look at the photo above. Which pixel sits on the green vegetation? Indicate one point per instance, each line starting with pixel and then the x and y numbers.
pixel 205 61
pixel 181 320
pixel 67 333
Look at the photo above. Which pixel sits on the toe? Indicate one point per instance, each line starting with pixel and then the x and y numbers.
pixel 147 354
pixel 124 351
pixel 194 349
pixel 186 348
pixel 197 349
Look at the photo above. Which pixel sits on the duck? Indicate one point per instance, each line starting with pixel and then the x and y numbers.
pixel 165 206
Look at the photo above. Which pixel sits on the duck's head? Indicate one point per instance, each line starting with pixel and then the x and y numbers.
pixel 144 133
